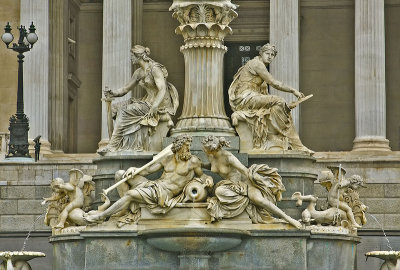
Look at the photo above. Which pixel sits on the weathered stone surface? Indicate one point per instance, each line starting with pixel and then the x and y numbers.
pixel 382 206
pixel 372 191
pixel 262 250
pixel 392 221
pixel 17 192
pixel 372 223
pixel 30 207
pixel 42 191
pixel 16 222
pixel 392 190
pixel 8 207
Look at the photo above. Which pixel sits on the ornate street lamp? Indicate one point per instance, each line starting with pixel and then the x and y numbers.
pixel 19 123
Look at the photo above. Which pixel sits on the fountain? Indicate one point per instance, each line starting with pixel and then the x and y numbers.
pixel 391 258
pixel 205 201
pixel 18 260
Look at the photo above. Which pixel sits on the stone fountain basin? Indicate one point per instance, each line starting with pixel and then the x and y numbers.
pixel 20 255
pixel 384 255
pixel 194 240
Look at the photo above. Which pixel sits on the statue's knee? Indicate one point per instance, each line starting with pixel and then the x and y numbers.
pixel 119 174
pixel 281 101
pixel 219 191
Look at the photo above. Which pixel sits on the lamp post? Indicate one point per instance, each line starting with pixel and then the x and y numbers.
pixel 19 123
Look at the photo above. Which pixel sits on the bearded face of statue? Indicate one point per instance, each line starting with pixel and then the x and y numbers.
pixel 184 153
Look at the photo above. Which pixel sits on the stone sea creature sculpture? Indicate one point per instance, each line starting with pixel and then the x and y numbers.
pixel 343 201
pixel 266 118
pixel 255 189
pixel 140 124
pixel 69 200
pixel 179 167
pixel 331 216
pixel 337 185
pixel 391 258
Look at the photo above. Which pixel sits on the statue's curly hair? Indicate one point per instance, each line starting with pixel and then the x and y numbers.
pixel 356 179
pixel 141 52
pixel 215 143
pixel 269 47
pixel 179 141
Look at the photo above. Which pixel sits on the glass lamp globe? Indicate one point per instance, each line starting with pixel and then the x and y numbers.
pixel 7 38
pixel 32 38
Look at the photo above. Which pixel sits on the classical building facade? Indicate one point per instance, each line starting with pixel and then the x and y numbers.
pixel 344 52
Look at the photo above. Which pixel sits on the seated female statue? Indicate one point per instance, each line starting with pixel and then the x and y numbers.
pixel 267 115
pixel 139 118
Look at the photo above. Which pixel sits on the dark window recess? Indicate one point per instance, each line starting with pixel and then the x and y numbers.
pixel 238 54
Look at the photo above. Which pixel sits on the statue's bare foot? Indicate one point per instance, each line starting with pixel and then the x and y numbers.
pixel 59 226
pixel 295 223
pixel 356 225
pixel 92 218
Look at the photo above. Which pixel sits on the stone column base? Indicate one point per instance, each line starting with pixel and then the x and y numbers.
pixel 45 147
pixel 371 144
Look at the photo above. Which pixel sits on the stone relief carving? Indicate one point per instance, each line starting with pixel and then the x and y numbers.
pixel 266 118
pixel 140 124
pixel 255 189
pixel 179 167
pixel 345 207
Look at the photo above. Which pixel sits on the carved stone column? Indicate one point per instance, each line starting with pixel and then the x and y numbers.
pixel 203 25
pixel 58 94
pixel 117 44
pixel 36 84
pixel 137 37
pixel 370 103
pixel 284 33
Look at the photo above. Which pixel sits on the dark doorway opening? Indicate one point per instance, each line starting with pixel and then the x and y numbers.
pixel 238 54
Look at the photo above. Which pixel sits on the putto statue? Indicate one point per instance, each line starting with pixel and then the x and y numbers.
pixel 345 207
pixel 69 200
pixel 137 119
pixel 179 166
pixel 255 189
pixel 268 117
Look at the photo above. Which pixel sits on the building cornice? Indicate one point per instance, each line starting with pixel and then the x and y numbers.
pixel 331 4
pixel 92 7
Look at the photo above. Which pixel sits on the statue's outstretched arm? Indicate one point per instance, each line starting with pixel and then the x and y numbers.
pixel 269 79
pixel 127 87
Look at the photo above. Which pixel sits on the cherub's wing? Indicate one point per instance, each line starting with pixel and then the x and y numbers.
pixel 75 176
pixel 326 183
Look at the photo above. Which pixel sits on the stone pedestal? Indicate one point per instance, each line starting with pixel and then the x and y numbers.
pixel 203 25
pixel 261 248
